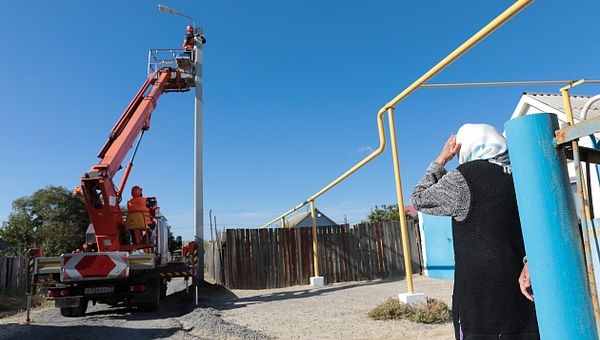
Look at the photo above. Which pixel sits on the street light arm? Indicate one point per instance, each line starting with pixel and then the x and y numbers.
pixel 168 10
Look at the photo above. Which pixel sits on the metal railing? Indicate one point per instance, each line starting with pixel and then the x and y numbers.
pixel 162 57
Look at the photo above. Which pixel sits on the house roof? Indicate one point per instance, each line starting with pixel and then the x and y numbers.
pixel 295 221
pixel 552 103
pixel 4 245
pixel 409 209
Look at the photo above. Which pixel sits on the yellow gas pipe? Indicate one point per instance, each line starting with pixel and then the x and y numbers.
pixel 462 49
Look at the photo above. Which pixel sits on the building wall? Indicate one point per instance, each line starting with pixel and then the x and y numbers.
pixel 438 250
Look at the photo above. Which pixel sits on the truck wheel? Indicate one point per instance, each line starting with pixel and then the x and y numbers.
pixel 73 312
pixel 153 296
pixel 67 312
pixel 81 309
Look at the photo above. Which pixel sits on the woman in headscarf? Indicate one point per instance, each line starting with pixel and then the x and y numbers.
pixel 488 244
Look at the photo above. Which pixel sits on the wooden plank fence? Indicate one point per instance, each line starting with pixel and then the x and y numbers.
pixel 13 274
pixel 213 260
pixel 273 258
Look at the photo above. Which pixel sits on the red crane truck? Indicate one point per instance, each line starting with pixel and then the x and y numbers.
pixel 113 268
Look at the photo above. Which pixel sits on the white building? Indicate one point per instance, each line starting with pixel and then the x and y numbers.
pixel 436 231
pixel 532 103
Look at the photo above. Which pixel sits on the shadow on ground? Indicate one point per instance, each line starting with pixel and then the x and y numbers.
pixel 42 332
pixel 222 298
pixel 217 297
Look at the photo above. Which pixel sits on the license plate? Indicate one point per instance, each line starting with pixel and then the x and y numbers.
pixel 99 290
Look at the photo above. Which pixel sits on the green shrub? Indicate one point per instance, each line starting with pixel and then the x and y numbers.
pixel 434 311
pixel 390 309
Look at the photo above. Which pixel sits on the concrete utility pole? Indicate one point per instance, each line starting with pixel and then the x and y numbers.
pixel 199 40
pixel 198 164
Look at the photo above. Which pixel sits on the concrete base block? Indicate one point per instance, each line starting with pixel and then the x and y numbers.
pixel 412 298
pixel 317 281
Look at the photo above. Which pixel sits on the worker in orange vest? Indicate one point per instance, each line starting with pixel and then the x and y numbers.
pixel 137 203
pixel 138 214
pixel 188 41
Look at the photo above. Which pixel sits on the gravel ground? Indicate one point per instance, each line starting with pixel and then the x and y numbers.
pixel 334 311
pixel 337 311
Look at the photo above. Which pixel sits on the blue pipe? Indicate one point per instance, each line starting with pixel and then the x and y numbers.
pixel 550 230
pixel 594 226
pixel 596 145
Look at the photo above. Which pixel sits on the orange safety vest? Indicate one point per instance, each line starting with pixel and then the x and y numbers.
pixel 188 42
pixel 137 205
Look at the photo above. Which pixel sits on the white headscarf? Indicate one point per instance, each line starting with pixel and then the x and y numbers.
pixel 480 141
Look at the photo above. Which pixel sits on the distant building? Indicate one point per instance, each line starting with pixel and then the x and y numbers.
pixel 411 211
pixel 4 246
pixel 304 220
pixel 532 103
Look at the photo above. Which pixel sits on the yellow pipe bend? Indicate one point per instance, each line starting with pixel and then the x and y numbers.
pixel 462 49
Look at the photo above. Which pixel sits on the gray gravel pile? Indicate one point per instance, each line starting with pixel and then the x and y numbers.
pixel 206 323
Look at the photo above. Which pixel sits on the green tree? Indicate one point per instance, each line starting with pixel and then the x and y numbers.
pixel 386 213
pixel 52 218
pixel 174 242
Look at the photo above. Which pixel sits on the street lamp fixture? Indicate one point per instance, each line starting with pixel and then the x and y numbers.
pixel 168 10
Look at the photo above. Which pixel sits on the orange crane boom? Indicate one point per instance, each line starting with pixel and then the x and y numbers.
pixel 101 195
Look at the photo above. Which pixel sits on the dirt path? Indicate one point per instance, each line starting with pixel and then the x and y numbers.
pixel 337 311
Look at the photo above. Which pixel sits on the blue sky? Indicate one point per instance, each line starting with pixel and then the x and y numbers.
pixel 291 93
